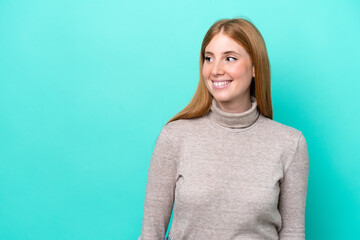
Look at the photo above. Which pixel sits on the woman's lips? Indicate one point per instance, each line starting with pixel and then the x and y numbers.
pixel 217 85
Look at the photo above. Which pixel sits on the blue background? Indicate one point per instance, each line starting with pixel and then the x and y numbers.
pixel 86 86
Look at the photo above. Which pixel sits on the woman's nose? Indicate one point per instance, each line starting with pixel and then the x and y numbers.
pixel 217 68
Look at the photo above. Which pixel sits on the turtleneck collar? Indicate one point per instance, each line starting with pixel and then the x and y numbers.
pixel 234 120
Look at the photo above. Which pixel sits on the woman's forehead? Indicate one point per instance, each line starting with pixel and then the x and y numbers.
pixel 222 44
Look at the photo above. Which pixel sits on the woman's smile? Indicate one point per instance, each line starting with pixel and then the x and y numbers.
pixel 221 84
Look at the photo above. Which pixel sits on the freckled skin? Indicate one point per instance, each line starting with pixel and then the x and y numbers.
pixel 237 67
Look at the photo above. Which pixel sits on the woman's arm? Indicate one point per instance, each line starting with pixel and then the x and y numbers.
pixel 160 187
pixel 293 191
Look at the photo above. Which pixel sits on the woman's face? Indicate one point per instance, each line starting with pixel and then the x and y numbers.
pixel 226 60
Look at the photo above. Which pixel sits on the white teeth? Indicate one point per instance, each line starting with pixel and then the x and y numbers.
pixel 221 83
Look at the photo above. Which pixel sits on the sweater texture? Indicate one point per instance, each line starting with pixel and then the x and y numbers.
pixel 227 176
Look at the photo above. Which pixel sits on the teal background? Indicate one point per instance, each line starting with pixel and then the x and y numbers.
pixel 86 86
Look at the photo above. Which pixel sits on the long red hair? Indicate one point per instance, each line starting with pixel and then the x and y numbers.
pixel 249 37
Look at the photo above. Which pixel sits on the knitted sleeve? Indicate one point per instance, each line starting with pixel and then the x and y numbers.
pixel 160 188
pixel 293 190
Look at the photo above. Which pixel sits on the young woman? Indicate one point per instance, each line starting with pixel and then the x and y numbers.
pixel 229 170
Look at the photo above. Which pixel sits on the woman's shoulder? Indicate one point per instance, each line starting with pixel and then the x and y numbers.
pixel 281 132
pixel 182 127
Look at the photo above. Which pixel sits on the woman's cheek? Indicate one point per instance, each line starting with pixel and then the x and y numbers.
pixel 205 72
pixel 238 70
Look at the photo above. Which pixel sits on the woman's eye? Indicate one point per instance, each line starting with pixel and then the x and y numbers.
pixel 207 59
pixel 232 58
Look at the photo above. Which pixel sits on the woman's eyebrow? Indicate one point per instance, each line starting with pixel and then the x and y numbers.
pixel 226 52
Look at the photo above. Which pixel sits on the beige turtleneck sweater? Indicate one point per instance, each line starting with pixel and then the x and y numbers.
pixel 228 176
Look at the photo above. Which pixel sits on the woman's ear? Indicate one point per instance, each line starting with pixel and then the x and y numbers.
pixel 253 69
